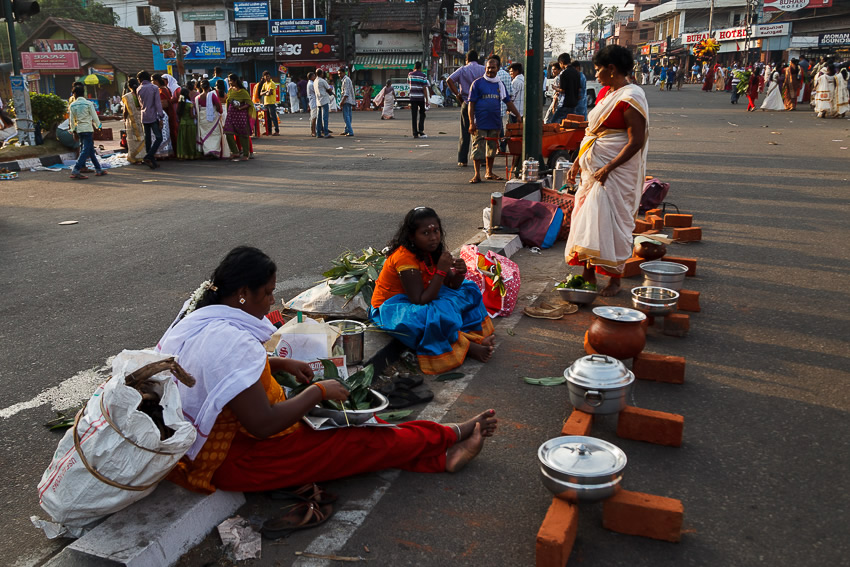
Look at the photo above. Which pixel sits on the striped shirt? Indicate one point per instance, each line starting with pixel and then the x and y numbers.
pixel 417 82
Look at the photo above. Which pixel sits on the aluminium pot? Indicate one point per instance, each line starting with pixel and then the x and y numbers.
pixel 581 468
pixel 599 384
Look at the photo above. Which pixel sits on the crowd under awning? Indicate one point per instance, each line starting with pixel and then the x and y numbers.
pixel 385 61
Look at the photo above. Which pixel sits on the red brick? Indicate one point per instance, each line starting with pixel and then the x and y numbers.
pixel 651 426
pixel 688 301
pixel 587 348
pixel 678 221
pixel 652 213
pixel 557 534
pixel 692 234
pixel 645 515
pixel 691 263
pixel 641 226
pixel 632 267
pixel 579 423
pixel 657 222
pixel 659 368
pixel 677 324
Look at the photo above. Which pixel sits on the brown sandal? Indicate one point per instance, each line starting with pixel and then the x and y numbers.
pixel 303 515
pixel 308 493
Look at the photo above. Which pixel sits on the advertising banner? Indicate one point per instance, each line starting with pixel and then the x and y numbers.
pixel 693 37
pixel 794 5
pixel 56 60
pixel 833 39
pixel 451 28
pixel 203 15
pixel 306 48
pixel 771 30
pixel 297 27
pixel 731 34
pixel 199 50
pixel 52 45
pixel 259 46
pixel 248 11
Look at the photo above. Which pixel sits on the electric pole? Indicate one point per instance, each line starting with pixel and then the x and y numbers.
pixel 532 123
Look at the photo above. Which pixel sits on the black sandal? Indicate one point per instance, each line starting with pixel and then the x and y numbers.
pixel 402 398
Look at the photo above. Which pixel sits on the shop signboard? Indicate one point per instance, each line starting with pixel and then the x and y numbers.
pixel 306 48
pixel 794 5
pixel 259 46
pixel 203 15
pixel 464 35
pixel 693 37
pixel 56 60
pixel 771 30
pixel 645 49
pixel 833 39
pixel 297 27
pixel 53 45
pixel 199 50
pixel 731 34
pixel 451 28
pixel 250 11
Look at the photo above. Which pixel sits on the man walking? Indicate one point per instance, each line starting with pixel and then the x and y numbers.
pixel 323 102
pixel 569 85
pixel 292 93
pixel 420 93
pixel 218 75
pixel 485 98
pixel 347 101
pixel 151 110
pixel 82 121
pixel 303 95
pixel 269 93
pixel 311 102
pixel 517 90
pixel 460 82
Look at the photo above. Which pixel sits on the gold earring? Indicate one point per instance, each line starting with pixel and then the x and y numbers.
pixel 242 300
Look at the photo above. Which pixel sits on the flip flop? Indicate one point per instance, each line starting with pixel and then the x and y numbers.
pixel 302 516
pixel 408 382
pixel 493 178
pixel 547 311
pixel 473 180
pixel 308 493
pixel 405 398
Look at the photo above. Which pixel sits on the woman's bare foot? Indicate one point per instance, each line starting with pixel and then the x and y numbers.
pixel 486 420
pixel 483 351
pixel 611 289
pixel 461 453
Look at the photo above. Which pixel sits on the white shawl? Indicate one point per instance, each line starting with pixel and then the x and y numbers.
pixel 503 92
pixel 222 348
pixel 173 86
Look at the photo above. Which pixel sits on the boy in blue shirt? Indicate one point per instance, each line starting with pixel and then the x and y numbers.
pixel 485 119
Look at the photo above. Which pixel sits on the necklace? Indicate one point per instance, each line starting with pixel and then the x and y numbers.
pixel 430 271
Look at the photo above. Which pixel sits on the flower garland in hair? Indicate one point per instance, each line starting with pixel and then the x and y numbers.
pixel 198 294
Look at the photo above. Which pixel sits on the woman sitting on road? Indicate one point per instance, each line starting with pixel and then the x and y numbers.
pixel 612 160
pixel 422 298
pixel 250 436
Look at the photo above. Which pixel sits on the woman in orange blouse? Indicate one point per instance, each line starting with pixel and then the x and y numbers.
pixel 423 299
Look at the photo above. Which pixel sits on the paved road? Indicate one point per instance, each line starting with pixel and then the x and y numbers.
pixel 761 473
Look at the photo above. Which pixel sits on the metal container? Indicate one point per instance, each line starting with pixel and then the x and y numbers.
pixel 669 275
pixel 577 296
pixel 559 175
pixel 655 301
pixel 354 417
pixel 352 334
pixel 530 170
pixel 581 468
pixel 495 210
pixel 599 384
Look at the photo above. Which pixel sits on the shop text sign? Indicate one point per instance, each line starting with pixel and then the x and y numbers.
pixel 305 48
pixel 204 50
pixel 55 60
pixel 794 5
pixel 771 30
pixel 689 38
pixel 247 11
pixel 297 27
pixel 204 15
pixel 833 39
pixel 50 45
pixel 731 34
pixel 261 46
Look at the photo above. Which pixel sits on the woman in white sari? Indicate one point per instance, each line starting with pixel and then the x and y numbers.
pixel 612 162
pixel 842 95
pixel 773 100
pixel 824 95
pixel 386 100
pixel 210 123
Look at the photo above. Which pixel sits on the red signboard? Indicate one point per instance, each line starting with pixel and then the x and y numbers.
pixel 55 60
pixel 794 5
pixel 451 28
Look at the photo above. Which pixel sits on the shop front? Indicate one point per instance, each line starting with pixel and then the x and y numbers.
pixel 252 57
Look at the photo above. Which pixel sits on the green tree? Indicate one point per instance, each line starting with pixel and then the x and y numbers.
pixel 595 21
pixel 48 110
pixel 73 9
pixel 510 39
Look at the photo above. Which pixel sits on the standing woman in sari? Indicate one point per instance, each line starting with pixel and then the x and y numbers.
pixel 169 118
pixel 210 133
pixel 612 162
pixel 708 79
pixel 386 98
pixel 187 133
pixel 791 88
pixel 842 95
pixel 133 122
pixel 240 111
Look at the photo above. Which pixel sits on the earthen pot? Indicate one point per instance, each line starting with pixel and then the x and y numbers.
pixel 617 332
pixel 650 250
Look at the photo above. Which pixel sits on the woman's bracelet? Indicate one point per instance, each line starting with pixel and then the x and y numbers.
pixel 440 273
pixel 322 388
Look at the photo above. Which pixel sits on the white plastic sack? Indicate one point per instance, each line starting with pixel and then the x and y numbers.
pixel 71 494
pixel 308 340
pixel 319 300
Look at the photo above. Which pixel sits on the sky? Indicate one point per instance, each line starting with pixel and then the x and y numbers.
pixel 568 14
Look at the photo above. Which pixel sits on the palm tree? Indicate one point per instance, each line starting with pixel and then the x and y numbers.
pixel 595 20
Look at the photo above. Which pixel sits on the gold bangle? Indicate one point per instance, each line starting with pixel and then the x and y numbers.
pixel 322 388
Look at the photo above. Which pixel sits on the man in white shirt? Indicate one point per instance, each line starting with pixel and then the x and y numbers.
pixel 323 101
pixel 311 102
pixel 347 101
pixel 292 92
pixel 517 89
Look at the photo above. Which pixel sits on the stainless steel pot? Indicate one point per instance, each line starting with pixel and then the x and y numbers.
pixel 655 301
pixel 599 384
pixel 577 467
pixel 668 275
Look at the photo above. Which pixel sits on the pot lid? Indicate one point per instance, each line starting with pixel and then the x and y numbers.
pixel 599 371
pixel 582 456
pixel 621 314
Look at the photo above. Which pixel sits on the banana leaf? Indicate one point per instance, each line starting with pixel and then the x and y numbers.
pixel 549 381
pixel 450 376
pixel 397 415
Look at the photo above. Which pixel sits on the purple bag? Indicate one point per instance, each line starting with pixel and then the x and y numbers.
pixel 654 193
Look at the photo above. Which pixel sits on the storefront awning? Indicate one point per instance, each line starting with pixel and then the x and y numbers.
pixel 385 61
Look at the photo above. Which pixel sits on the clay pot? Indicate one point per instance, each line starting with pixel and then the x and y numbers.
pixel 617 332
pixel 650 250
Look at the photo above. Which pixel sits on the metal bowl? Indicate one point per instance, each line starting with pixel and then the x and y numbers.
pixel 655 301
pixel 669 275
pixel 579 492
pixel 355 417
pixel 577 467
pixel 577 296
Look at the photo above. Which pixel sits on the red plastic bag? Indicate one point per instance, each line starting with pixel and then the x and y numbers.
pixel 496 276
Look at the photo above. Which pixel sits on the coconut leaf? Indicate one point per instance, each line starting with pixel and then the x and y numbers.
pixel 549 381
